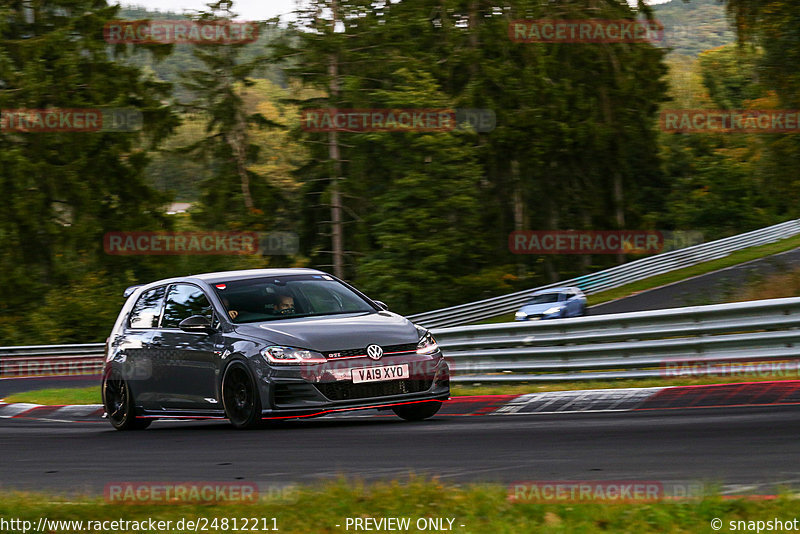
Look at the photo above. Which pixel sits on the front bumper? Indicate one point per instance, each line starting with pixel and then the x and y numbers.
pixel 307 391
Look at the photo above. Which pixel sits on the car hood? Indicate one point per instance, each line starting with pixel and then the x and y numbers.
pixel 532 309
pixel 333 333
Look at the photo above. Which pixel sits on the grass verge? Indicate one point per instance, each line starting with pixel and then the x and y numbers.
pixel 56 396
pixel 91 395
pixel 539 387
pixel 473 508
pixel 735 258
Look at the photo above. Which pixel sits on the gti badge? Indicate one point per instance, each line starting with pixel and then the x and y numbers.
pixel 374 352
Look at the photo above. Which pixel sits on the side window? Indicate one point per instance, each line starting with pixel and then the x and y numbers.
pixel 147 309
pixel 184 300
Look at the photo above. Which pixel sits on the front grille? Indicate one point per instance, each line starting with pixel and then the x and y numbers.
pixel 347 390
pixel 405 347
pixel 345 353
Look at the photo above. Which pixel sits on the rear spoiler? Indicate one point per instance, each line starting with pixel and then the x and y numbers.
pixel 129 291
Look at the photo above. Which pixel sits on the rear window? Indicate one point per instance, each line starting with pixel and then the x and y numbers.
pixel 275 298
pixel 146 311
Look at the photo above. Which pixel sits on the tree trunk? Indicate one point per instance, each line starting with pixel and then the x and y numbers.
pixel 337 237
pixel 519 209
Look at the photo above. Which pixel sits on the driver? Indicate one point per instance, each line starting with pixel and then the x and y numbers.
pixel 285 305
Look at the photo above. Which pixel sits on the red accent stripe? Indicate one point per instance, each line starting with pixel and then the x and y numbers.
pixel 350 409
pixel 337 358
pixel 736 394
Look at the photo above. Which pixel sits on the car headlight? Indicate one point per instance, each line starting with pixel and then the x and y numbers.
pixel 290 355
pixel 427 344
pixel 521 315
pixel 554 309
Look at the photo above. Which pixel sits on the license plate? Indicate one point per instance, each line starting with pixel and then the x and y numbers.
pixel 379 374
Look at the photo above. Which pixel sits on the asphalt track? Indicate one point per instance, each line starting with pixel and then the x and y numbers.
pixel 738 449
pixel 712 288
pixel 750 450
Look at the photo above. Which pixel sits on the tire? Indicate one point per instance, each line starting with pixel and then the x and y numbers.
pixel 120 406
pixel 240 397
pixel 418 411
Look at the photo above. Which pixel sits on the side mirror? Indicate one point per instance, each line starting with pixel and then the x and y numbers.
pixel 381 304
pixel 196 323
pixel 129 291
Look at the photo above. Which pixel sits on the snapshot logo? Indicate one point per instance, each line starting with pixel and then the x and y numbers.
pixel 730 121
pixel 586 242
pixel 397 120
pixel 25 120
pixel 199 243
pixel 628 491
pixel 683 367
pixel 181 492
pixel 585 31
pixel 180 32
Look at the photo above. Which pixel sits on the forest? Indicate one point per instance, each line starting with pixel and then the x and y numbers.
pixel 418 219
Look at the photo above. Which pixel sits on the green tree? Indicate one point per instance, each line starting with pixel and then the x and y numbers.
pixel 234 196
pixel 63 190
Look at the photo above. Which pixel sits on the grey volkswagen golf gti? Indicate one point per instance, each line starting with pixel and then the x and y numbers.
pixel 265 344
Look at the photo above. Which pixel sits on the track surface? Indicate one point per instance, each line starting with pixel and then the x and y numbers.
pixel 743 449
pixel 711 288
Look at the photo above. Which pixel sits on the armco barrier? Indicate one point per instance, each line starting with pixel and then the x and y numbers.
pixel 756 336
pixel 610 278
pixel 51 360
pixel 725 339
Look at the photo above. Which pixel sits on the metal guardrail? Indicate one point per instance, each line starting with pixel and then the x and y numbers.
pixel 727 339
pixel 52 360
pixel 759 336
pixel 637 344
pixel 610 278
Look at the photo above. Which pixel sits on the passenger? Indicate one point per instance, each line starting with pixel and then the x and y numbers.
pixel 233 314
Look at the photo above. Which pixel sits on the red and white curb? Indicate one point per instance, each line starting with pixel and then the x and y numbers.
pixel 67 414
pixel 591 400
pixel 774 393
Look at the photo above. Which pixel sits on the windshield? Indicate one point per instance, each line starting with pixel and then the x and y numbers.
pixel 286 297
pixel 544 299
